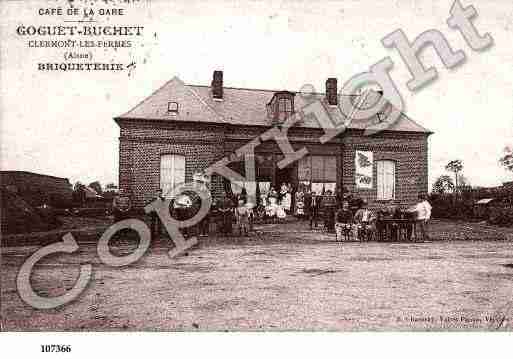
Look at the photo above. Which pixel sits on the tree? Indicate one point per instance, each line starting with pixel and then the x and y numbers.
pixel 443 184
pixel 455 166
pixel 463 181
pixel 96 185
pixel 507 159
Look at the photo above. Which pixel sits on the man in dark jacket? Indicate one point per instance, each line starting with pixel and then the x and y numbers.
pixel 314 209
pixel 226 209
pixel 156 225
pixel 308 202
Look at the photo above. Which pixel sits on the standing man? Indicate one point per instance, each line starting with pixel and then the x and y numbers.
pixel 308 202
pixel 343 221
pixel 364 219
pixel 121 206
pixel 423 210
pixel 314 209
pixel 330 205
pixel 156 225
pixel 226 209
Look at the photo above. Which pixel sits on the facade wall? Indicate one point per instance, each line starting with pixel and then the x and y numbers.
pixel 143 143
pixel 410 153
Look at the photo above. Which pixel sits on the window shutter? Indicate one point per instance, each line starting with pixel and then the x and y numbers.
pixel 179 170
pixel 390 179
pixel 172 172
pixel 386 180
pixel 381 180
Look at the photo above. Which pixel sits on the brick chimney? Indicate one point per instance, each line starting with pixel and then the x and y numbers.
pixel 331 91
pixel 217 85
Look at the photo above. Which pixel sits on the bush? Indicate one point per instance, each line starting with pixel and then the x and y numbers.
pixel 451 207
pixel 501 216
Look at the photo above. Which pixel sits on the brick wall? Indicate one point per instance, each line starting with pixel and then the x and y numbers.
pixel 143 142
pixel 409 151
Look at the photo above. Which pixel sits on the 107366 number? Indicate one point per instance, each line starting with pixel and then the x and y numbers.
pixel 55 348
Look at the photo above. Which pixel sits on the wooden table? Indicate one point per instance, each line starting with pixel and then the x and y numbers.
pixel 391 229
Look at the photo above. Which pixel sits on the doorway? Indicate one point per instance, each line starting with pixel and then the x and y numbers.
pixel 286 175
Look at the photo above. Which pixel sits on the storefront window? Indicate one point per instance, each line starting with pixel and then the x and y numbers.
pixel 319 173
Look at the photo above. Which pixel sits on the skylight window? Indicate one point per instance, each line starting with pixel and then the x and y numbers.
pixel 172 107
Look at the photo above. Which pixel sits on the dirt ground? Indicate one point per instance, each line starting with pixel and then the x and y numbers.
pixel 284 278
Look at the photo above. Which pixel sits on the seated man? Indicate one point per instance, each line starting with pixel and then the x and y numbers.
pixel 343 221
pixel 364 219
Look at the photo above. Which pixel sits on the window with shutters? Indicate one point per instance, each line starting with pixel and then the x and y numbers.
pixel 386 180
pixel 172 173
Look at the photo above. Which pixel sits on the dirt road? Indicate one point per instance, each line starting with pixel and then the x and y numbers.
pixel 269 283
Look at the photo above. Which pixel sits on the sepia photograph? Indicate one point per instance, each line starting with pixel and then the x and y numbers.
pixel 256 166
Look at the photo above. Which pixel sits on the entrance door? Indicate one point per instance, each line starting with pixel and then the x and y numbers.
pixel 286 175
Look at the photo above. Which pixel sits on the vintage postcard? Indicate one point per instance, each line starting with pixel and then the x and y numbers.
pixel 185 166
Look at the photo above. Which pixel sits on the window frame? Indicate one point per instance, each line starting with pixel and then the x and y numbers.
pixel 175 108
pixel 285 105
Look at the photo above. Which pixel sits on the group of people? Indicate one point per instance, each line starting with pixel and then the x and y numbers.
pixel 363 224
pixel 344 215
pixel 275 205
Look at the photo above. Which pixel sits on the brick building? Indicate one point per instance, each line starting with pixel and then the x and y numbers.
pixel 36 188
pixel 182 129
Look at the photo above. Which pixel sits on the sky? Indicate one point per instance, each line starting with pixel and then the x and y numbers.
pixel 61 123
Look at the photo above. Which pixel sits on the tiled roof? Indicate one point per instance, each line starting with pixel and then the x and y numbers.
pixel 239 107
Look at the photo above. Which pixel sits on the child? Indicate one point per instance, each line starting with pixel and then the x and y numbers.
pixel 242 216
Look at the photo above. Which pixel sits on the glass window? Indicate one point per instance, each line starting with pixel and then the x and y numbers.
pixel 305 169
pixel 172 107
pixel 386 180
pixel 284 105
pixel 172 173
pixel 319 173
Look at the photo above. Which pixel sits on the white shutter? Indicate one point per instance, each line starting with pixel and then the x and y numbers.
pixel 386 180
pixel 172 173
pixel 166 170
pixel 389 180
pixel 381 179
pixel 179 169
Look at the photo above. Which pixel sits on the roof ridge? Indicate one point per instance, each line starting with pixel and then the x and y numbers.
pixel 267 90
